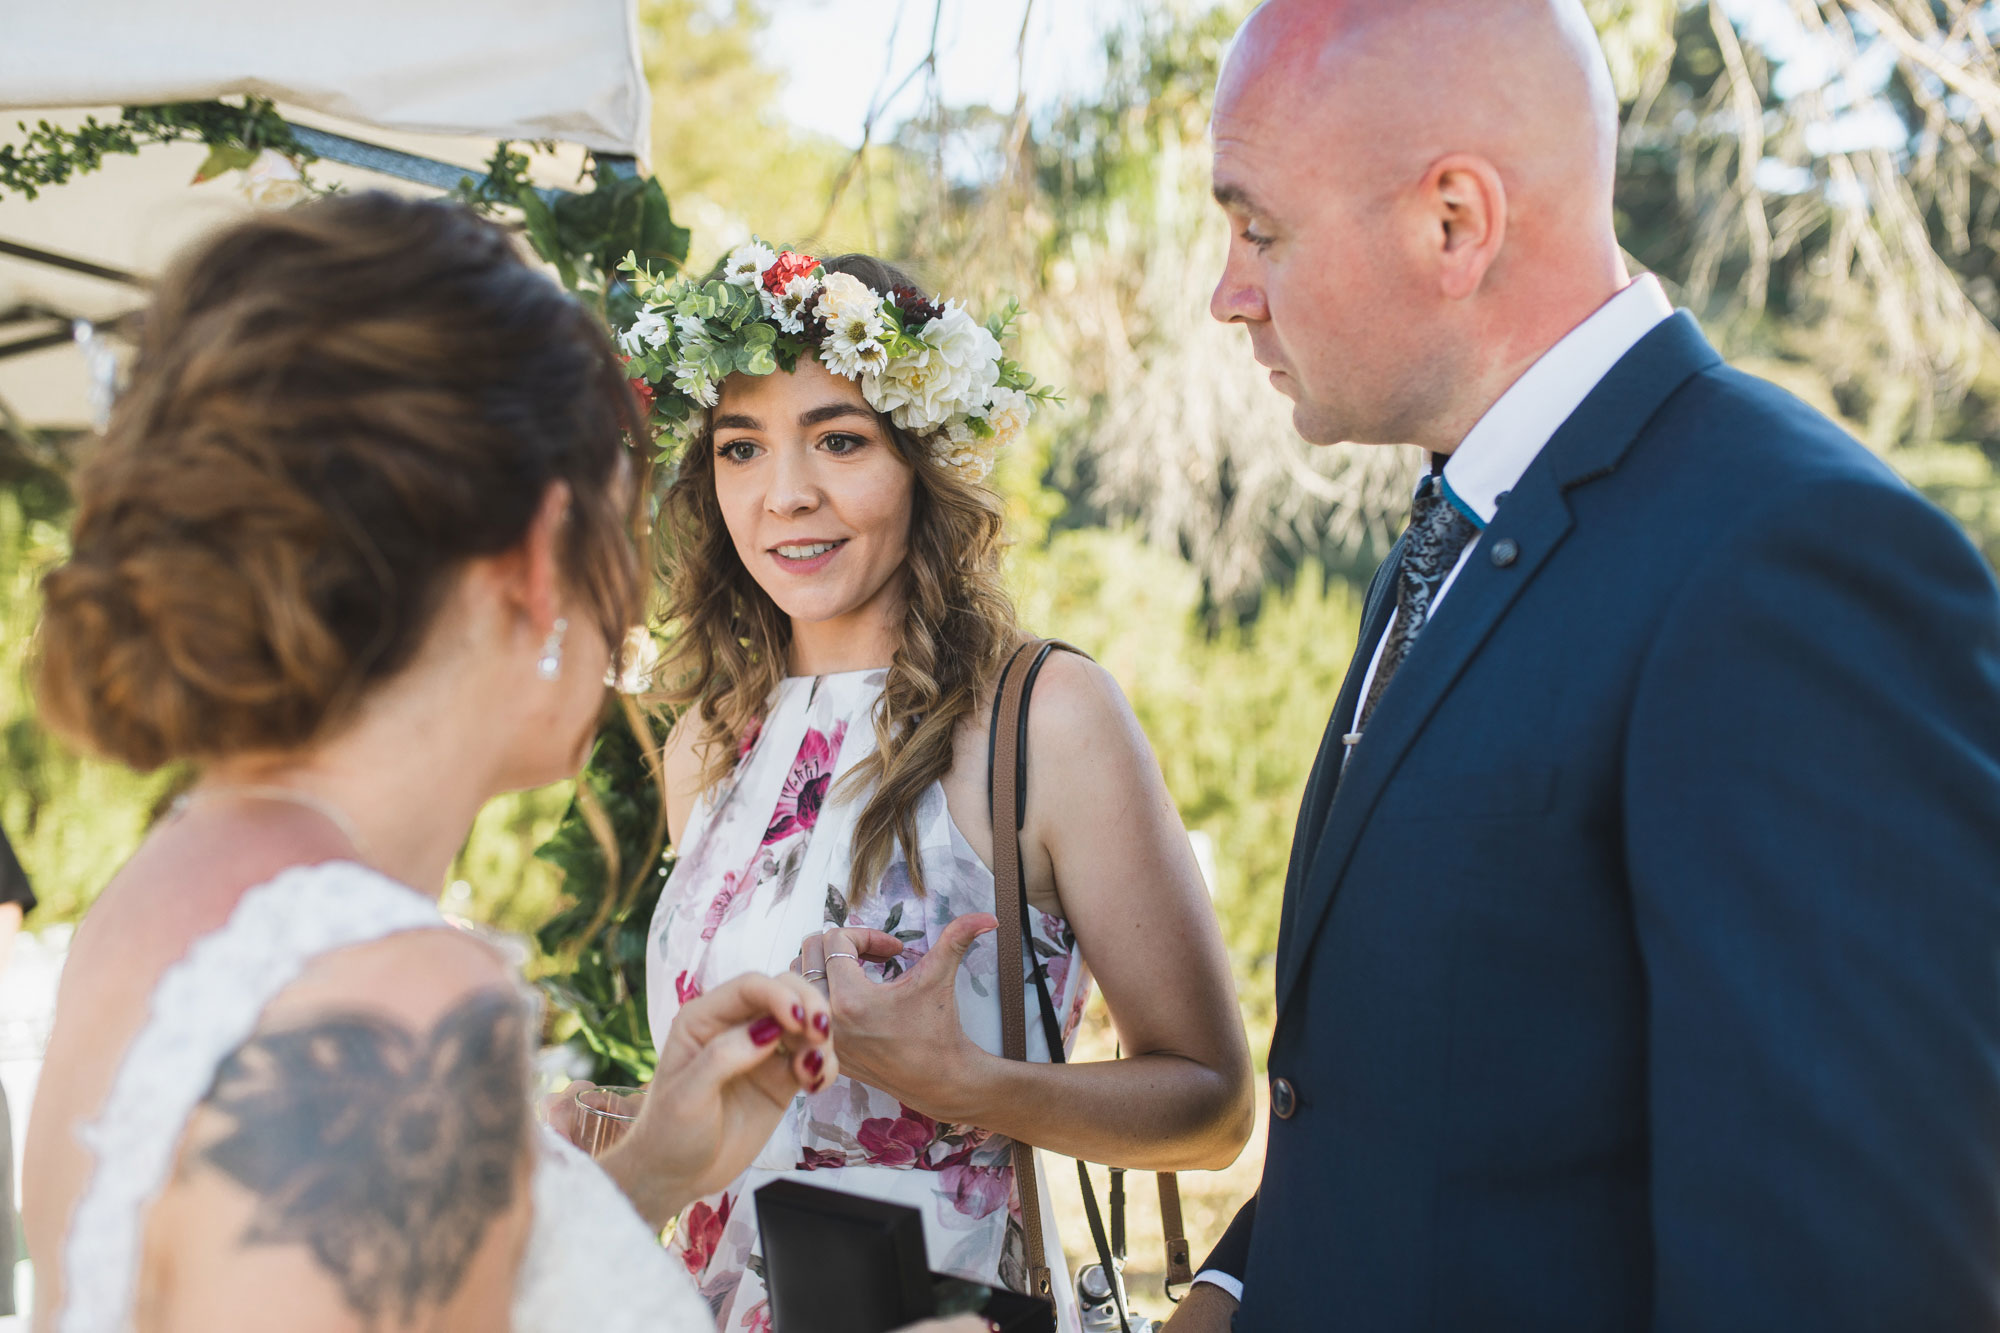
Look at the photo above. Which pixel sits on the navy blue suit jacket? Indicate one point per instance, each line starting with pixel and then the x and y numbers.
pixel 1643 969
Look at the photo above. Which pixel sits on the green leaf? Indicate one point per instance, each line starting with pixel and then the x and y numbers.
pixel 221 158
pixel 542 234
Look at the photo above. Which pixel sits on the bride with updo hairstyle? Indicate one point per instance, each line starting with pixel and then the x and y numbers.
pixel 356 551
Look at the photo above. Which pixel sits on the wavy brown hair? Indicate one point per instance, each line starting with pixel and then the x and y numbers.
pixel 333 409
pixel 732 645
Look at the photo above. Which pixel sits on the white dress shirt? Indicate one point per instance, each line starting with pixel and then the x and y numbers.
pixel 1490 460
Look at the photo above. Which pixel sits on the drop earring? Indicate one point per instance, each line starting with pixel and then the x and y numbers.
pixel 549 665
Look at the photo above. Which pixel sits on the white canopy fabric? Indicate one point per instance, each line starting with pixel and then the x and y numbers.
pixel 500 69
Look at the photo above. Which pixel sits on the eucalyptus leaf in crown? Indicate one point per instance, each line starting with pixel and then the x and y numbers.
pixel 933 369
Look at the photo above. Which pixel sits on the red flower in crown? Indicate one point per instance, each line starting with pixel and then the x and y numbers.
pixel 790 265
pixel 640 390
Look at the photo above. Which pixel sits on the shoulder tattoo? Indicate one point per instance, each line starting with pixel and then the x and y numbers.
pixel 386 1152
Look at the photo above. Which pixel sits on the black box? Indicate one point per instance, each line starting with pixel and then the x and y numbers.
pixel 839 1263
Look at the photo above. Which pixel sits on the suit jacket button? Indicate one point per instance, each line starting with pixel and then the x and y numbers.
pixel 1284 1098
pixel 1505 552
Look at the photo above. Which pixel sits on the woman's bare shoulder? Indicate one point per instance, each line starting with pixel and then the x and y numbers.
pixel 1078 707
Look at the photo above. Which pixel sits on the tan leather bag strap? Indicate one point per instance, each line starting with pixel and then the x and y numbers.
pixel 1007 907
pixel 1013 963
pixel 1180 1270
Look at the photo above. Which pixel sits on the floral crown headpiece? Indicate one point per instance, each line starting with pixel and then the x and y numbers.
pixel 935 371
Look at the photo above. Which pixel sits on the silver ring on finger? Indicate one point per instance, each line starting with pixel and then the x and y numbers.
pixel 855 956
pixel 814 975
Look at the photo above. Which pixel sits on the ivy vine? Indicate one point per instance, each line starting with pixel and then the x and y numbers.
pixel 236 135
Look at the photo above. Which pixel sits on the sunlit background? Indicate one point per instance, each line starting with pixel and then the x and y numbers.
pixel 1815 179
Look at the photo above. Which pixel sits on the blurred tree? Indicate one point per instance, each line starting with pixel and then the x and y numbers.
pixel 729 159
pixel 1815 178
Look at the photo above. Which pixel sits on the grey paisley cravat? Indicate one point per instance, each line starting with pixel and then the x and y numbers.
pixel 1438 535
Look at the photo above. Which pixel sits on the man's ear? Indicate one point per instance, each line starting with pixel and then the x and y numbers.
pixel 1467 207
pixel 530 575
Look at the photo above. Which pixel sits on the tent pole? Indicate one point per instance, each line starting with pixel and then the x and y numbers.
pixel 74 265
pixel 393 162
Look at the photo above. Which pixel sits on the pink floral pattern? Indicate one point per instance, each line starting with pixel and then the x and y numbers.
pixel 805 790
pixel 766 865
pixel 701 1231
pixel 903 1141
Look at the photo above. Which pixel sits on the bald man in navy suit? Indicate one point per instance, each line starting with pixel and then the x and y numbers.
pixel 1640 956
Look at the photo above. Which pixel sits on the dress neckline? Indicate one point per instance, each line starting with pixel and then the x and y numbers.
pixel 838 675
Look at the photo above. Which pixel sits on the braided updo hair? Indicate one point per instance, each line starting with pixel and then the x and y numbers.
pixel 333 408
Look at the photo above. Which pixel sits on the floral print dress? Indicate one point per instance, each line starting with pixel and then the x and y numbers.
pixel 764 862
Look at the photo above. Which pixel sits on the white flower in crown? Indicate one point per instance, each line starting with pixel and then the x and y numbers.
pixel 1007 415
pixel 747 262
pixel 855 328
pixel 788 309
pixel 691 378
pixel 649 329
pixel 692 329
pixel 954 374
pixel 960 448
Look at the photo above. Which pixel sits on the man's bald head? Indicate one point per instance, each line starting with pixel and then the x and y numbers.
pixel 1340 122
pixel 1522 81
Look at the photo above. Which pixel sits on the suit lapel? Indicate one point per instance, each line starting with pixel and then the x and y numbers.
pixel 1376 611
pixel 1535 518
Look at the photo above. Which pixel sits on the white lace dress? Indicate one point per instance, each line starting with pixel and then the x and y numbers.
pixel 590 1262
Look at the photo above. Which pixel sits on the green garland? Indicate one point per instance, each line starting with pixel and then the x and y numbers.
pixel 235 135
pixel 598 940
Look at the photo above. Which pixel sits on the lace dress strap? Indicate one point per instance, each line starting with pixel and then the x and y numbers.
pixel 204 1007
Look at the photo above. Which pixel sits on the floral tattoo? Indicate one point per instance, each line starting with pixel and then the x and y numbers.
pixel 387 1153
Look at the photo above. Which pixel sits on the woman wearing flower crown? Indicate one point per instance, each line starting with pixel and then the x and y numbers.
pixel 841 627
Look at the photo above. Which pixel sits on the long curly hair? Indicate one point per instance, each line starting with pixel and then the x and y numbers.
pixel 731 645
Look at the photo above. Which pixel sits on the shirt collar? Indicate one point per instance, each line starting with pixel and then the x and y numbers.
pixel 1498 450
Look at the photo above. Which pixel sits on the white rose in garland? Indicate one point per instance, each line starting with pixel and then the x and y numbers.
pixel 1007 416
pixel 952 375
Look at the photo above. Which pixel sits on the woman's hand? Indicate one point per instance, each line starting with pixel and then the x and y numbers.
pixel 730 1065
pixel 903 1036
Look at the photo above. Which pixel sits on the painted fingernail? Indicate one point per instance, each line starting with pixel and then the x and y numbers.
pixel 814 1062
pixel 822 1023
pixel 765 1031
pixel 799 1014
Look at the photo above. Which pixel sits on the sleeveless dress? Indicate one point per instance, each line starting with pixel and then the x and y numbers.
pixel 590 1260
pixel 764 862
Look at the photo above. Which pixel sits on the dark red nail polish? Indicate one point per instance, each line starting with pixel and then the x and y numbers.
pixel 814 1062
pixel 823 1024
pixel 799 1014
pixel 765 1031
